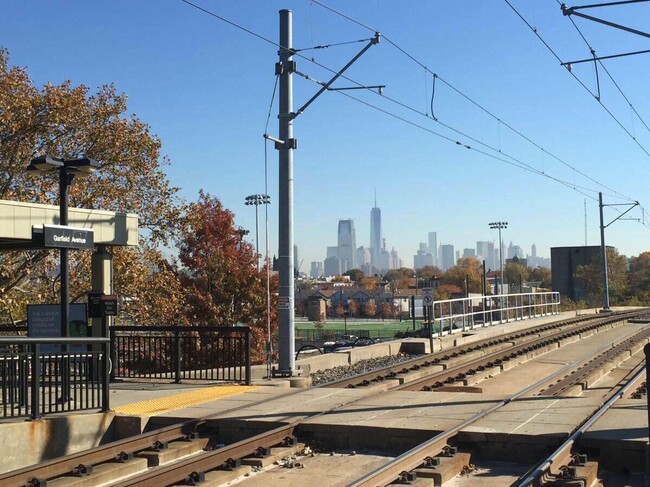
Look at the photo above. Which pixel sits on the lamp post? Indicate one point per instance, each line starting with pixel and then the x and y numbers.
pixel 257 200
pixel 68 169
pixel 499 226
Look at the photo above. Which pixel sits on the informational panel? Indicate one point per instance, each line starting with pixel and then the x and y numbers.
pixel 44 321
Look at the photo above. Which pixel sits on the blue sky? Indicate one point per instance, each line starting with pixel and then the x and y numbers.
pixel 205 86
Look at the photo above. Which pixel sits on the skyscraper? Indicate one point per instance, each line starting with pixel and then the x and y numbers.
pixel 347 243
pixel 375 234
pixel 448 257
pixel 433 246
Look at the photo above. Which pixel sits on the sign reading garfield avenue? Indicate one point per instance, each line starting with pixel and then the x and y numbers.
pixel 57 236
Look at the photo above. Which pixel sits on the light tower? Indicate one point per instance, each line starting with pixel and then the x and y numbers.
pixel 257 200
pixel 499 226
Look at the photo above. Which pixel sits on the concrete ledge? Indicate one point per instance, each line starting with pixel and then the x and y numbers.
pixel 31 442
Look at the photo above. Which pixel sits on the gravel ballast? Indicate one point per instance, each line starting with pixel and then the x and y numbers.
pixel 363 366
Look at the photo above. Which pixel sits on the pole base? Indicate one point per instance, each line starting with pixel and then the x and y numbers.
pixel 605 310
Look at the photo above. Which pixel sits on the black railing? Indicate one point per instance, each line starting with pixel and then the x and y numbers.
pixel 214 353
pixel 37 379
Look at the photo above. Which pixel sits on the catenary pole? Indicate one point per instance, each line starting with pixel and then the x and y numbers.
pixel 603 251
pixel 285 149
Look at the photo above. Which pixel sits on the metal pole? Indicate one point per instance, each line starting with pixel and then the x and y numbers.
pixel 501 264
pixel 64 181
pixel 646 351
pixel 603 251
pixel 287 332
pixel 257 237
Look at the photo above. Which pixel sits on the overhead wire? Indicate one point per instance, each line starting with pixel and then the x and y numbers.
pixel 596 97
pixel 600 63
pixel 469 99
pixel 514 161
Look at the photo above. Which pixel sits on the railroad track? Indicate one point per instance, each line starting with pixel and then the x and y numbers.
pixel 406 467
pixel 568 464
pixel 191 470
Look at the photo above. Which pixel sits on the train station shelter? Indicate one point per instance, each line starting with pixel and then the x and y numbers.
pixel 22 224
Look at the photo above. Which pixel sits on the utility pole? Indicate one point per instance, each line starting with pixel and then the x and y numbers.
pixel 603 252
pixel 285 69
pixel 603 248
pixel 285 144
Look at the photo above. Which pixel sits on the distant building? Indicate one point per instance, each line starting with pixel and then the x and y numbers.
pixel 362 257
pixel 375 234
pixel 333 266
pixel 564 262
pixel 347 243
pixel 395 261
pixel 447 257
pixel 469 253
pixel 485 252
pixel 316 270
pixel 433 246
pixel 423 258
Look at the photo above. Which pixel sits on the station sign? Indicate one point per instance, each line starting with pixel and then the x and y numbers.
pixel 101 305
pixel 59 236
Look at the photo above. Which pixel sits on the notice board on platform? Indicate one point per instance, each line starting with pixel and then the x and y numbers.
pixel 44 321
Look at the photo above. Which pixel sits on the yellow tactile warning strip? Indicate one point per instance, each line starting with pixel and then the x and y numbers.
pixel 178 401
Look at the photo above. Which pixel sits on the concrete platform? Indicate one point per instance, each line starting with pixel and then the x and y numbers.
pixel 389 421
pixel 620 434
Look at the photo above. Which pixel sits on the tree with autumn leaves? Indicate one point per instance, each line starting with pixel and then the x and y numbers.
pixel 219 276
pixel 214 280
pixel 69 121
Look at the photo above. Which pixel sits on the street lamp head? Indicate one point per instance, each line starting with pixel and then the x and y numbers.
pixel 43 164
pixel 83 166
pixel 79 167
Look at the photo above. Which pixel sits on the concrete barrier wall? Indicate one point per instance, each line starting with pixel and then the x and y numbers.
pixel 30 442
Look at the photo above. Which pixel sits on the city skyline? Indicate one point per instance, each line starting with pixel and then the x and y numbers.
pixel 210 105
pixel 346 256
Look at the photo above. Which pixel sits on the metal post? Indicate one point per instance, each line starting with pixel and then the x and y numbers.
pixel 247 336
pixel 413 310
pixel 286 115
pixel 64 182
pixel 257 238
pixel 603 251
pixel 36 378
pixel 106 375
pixel 646 351
pixel 177 362
pixel 431 322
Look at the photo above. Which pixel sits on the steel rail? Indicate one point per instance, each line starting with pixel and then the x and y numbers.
pixel 597 363
pixel 103 453
pixel 391 371
pixel 500 356
pixel 180 471
pixel 560 454
pixel 64 465
pixel 414 458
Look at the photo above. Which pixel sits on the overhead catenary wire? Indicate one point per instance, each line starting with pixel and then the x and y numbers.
pixel 600 63
pixel 514 162
pixel 498 119
pixel 596 97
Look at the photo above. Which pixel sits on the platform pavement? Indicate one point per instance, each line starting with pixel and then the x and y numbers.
pixel 126 392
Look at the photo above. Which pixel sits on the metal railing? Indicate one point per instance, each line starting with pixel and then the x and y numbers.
pixel 214 353
pixel 37 379
pixel 465 313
